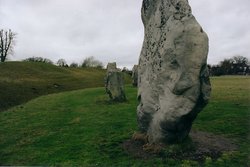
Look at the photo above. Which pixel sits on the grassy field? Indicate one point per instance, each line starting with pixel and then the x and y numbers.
pixel 22 81
pixel 81 128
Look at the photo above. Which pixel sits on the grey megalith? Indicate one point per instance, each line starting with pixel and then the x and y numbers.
pixel 173 79
pixel 135 76
pixel 114 83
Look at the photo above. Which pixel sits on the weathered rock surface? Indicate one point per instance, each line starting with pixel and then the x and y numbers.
pixel 135 76
pixel 114 83
pixel 173 79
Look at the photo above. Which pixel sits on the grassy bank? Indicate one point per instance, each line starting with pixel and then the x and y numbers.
pixel 82 128
pixel 22 81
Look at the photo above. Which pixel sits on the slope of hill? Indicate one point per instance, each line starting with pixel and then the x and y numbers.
pixel 22 81
pixel 82 128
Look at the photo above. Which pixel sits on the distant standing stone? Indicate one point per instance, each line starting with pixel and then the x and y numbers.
pixel 111 67
pixel 114 83
pixel 173 78
pixel 135 76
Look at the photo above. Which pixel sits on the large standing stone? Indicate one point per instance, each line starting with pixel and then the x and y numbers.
pixel 135 76
pixel 114 83
pixel 173 77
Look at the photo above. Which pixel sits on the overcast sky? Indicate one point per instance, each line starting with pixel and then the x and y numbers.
pixel 111 30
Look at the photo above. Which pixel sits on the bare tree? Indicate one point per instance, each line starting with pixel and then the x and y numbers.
pixel 6 43
pixel 240 65
pixel 73 65
pixel 240 60
pixel 62 63
pixel 92 62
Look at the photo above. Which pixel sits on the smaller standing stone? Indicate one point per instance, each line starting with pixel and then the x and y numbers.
pixel 114 83
pixel 111 67
pixel 135 76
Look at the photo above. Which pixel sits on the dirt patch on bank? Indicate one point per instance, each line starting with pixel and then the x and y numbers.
pixel 201 145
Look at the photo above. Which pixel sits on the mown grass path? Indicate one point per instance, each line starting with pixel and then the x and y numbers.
pixel 81 128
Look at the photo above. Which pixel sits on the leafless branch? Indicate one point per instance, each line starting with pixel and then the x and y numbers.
pixel 6 43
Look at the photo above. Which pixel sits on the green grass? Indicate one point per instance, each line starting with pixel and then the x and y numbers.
pixel 229 109
pixel 228 114
pixel 23 81
pixel 81 128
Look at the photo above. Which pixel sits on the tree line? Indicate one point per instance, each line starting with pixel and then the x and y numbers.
pixel 87 62
pixel 237 65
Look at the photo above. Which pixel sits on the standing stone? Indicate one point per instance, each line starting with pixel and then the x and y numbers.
pixel 111 67
pixel 135 76
pixel 173 78
pixel 114 83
